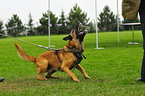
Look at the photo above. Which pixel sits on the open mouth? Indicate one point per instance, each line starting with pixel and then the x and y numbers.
pixel 81 33
pixel 80 24
pixel 79 29
pixel 85 32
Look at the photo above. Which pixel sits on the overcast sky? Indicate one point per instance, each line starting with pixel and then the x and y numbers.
pixel 36 7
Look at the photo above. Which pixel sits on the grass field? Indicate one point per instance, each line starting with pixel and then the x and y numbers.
pixel 113 70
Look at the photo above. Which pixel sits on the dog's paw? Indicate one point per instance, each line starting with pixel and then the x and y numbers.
pixel 87 77
pixel 76 80
pixel 42 78
pixel 52 76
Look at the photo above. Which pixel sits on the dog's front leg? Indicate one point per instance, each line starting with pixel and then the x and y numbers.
pixel 83 71
pixel 68 71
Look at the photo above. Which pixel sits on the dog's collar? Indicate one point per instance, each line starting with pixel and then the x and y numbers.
pixel 71 50
pixel 78 54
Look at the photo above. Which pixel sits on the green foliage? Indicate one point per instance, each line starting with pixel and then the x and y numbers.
pixel 91 27
pixel 1 28
pixel 30 25
pixel 63 28
pixel 43 28
pixel 107 20
pixel 14 26
pixel 63 25
pixel 53 21
pixel 75 15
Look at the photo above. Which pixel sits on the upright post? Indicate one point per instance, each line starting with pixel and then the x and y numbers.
pixel 117 21
pixel 97 47
pixel 49 21
pixel 133 33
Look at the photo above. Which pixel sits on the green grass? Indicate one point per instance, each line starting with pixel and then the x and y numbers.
pixel 113 70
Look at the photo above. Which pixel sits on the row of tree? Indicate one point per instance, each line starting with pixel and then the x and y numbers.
pixel 107 21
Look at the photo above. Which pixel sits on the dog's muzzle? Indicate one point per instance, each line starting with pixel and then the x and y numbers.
pixel 83 33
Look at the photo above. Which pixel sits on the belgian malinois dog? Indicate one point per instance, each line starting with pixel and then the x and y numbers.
pixel 60 60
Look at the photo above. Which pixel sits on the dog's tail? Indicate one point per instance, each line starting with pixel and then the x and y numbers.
pixel 23 55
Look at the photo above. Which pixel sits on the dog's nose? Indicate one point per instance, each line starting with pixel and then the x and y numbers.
pixel 80 24
pixel 86 31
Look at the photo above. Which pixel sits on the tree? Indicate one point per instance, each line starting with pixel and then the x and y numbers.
pixel 107 20
pixel 30 25
pixel 53 22
pixel 75 15
pixel 43 28
pixel 91 28
pixel 63 29
pixel 1 28
pixel 14 26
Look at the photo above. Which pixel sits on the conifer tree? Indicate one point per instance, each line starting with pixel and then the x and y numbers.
pixel 107 20
pixel 14 26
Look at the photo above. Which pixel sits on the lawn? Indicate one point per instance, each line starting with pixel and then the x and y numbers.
pixel 113 70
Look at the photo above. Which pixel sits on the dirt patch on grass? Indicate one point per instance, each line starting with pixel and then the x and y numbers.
pixel 21 83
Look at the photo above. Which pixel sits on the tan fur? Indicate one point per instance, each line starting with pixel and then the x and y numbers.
pixel 130 9
pixel 23 55
pixel 48 61
pixel 74 44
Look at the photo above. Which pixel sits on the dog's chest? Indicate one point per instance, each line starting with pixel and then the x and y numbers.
pixel 73 62
pixel 77 61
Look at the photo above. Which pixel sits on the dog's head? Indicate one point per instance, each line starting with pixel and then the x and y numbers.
pixel 76 38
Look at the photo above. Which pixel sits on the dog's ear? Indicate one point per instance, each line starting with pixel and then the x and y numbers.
pixel 69 37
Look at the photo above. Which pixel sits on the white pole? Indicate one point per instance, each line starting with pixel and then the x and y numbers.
pixel 96 25
pixel 117 21
pixel 26 33
pixel 49 21
pixel 97 47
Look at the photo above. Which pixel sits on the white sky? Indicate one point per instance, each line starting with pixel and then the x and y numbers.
pixel 36 7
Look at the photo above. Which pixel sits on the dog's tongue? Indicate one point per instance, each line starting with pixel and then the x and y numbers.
pixel 81 33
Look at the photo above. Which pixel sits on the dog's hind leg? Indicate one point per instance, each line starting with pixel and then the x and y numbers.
pixel 40 76
pixel 83 71
pixel 49 74
pixel 41 66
